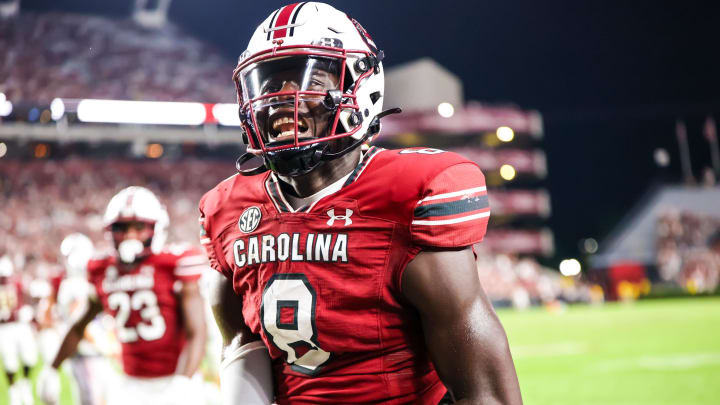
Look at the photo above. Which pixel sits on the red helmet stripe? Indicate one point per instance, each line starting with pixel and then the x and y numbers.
pixel 128 202
pixel 283 19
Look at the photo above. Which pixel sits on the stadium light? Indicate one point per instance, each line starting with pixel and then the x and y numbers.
pixel 154 150
pixel 3 149
pixel 6 106
pixel 446 110
pixel 507 172
pixel 226 114
pixel 590 245
pixel 570 267
pixel 505 134
pixel 57 109
pixel 662 157
pixel 141 112
pixel 41 151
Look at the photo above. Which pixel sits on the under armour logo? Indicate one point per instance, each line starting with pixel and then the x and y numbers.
pixel 346 217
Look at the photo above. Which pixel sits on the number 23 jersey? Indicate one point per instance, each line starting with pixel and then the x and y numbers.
pixel 321 284
pixel 144 300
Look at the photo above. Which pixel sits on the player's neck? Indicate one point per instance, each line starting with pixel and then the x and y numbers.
pixel 324 175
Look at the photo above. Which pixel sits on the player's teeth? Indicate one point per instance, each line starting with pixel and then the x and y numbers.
pixel 288 133
pixel 282 121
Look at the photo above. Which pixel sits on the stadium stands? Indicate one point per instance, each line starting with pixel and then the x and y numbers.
pixel 98 57
pixel 685 254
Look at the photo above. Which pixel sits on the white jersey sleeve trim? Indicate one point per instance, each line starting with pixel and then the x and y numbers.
pixel 450 221
pixel 453 194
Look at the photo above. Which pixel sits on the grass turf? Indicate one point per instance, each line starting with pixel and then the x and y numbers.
pixel 650 352
pixel 654 352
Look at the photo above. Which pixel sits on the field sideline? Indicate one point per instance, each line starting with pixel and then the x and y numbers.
pixel 652 352
pixel 655 352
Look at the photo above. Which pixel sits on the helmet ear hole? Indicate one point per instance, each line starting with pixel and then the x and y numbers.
pixel 375 96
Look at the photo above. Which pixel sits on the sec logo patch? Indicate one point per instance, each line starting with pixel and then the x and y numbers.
pixel 250 219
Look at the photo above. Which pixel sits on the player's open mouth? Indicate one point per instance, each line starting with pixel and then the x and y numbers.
pixel 284 126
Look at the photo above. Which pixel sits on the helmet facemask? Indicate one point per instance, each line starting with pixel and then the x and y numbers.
pixel 131 249
pixel 296 104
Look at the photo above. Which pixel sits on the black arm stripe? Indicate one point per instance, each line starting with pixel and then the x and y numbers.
pixel 453 207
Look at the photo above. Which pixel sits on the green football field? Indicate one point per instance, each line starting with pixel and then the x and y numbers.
pixel 651 353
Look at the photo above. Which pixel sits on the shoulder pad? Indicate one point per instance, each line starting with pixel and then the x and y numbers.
pixel 213 199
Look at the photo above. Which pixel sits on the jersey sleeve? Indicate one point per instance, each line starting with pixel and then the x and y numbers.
pixel 207 242
pixel 190 265
pixel 453 210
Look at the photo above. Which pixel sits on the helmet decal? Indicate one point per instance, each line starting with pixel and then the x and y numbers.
pixel 283 19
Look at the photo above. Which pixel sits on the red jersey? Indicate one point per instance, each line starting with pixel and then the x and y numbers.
pixel 11 298
pixel 143 300
pixel 321 284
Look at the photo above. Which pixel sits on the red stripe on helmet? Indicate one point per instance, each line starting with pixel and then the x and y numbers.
pixel 283 20
pixel 128 202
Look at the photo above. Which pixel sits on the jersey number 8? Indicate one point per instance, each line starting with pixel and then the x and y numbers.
pixel 288 318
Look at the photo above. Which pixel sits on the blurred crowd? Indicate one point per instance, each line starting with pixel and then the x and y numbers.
pixel 688 250
pixel 99 57
pixel 44 201
pixel 509 280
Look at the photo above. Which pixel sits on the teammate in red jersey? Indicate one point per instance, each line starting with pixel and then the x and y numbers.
pixel 18 350
pixel 354 270
pixel 154 297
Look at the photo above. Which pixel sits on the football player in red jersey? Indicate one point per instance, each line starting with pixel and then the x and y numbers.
pixel 153 294
pixel 349 276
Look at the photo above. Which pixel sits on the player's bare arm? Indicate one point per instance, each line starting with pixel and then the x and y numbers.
pixel 246 374
pixel 75 334
pixel 464 337
pixel 195 328
pixel 49 380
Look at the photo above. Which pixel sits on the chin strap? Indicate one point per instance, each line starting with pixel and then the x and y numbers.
pixel 373 130
pixel 246 157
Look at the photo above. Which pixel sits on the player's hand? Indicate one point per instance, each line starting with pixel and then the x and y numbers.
pixel 48 386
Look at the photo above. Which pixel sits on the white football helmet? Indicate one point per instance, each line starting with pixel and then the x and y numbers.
pixel 76 249
pixel 304 38
pixel 139 204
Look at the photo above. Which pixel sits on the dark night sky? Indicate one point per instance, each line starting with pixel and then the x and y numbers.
pixel 609 77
